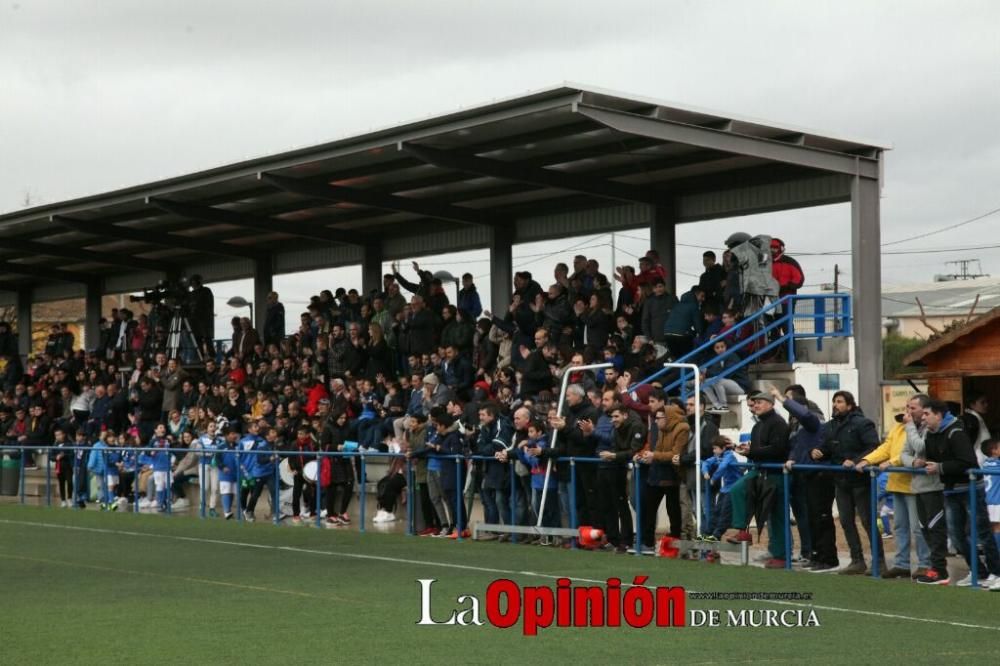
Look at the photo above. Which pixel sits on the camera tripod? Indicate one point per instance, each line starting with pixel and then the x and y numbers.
pixel 181 339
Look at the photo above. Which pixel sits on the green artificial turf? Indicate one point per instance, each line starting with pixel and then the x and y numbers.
pixel 258 593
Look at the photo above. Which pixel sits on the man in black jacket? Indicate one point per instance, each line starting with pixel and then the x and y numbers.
pixel 768 444
pixel 274 320
pixel 949 454
pixel 847 438
pixel 536 376
pixel 627 439
pixel 576 438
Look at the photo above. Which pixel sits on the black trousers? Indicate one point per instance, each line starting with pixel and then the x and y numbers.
pixel 651 497
pixel 261 483
pixel 820 493
pixel 389 489
pixel 299 489
pixel 344 489
pixel 587 512
pixel 854 500
pixel 65 478
pixel 934 526
pixel 125 481
pixel 427 508
pixel 615 516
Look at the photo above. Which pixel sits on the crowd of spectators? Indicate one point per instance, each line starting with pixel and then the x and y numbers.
pixel 431 379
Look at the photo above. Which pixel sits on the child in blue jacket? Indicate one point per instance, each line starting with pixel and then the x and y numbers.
pixel 536 443
pixel 228 463
pixel 161 460
pixel 721 470
pixel 103 463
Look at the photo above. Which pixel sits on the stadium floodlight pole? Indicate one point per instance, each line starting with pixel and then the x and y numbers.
pixel 693 367
pixel 562 399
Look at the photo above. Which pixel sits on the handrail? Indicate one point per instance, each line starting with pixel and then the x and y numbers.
pixel 787 318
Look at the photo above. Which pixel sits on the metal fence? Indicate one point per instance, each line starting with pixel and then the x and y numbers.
pixel 461 462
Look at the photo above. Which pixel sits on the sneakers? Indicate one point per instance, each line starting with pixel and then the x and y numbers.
pixel 334 520
pixel 985 583
pixel 822 567
pixel 229 516
pixel 774 563
pixel 717 409
pixel 378 516
pixel 345 519
pixel 296 520
pixel 855 568
pixel 743 535
pixel 427 531
pixel 442 533
pixel 146 503
pixel 711 538
pixel 180 503
pixel 921 571
pixel 932 577
pixel 896 572
pixel 965 582
pixel 247 516
pixel 995 585
pixel 454 534
pixel 383 517
pixel 503 538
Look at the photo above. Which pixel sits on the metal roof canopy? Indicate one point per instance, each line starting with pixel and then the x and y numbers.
pixel 564 161
pixel 554 151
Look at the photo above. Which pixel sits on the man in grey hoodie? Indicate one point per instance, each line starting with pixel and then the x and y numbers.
pixel 930 496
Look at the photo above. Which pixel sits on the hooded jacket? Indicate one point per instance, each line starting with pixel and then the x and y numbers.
pixel 769 439
pixel 806 431
pixel 685 317
pixel 914 449
pixel 672 441
pixel 950 446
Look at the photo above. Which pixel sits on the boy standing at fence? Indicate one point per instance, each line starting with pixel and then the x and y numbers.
pixel 64 467
pixel 161 466
pixel 991 463
pixel 721 471
pixel 227 462
pixel 82 490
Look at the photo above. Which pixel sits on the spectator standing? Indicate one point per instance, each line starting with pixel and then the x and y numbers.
pixel 712 280
pixel 274 320
pixel 468 297
pixel 847 438
pixel 906 523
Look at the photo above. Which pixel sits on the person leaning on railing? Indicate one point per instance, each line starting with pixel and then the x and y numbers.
pixel 949 454
pixel 905 522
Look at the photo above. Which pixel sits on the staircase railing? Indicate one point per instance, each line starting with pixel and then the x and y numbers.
pixel 770 329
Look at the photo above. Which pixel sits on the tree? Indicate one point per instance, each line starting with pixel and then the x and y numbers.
pixel 894 349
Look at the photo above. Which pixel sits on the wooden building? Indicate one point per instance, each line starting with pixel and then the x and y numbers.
pixel 963 361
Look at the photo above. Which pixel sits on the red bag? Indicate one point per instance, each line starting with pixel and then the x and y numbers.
pixel 325 472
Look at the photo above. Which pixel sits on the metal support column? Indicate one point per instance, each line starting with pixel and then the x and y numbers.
pixel 501 269
pixel 24 322
pixel 663 239
pixel 263 284
pixel 92 310
pixel 371 268
pixel 866 271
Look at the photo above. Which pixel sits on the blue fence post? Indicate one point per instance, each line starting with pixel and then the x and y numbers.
pixel 459 499
pixel 276 490
pixel 637 503
pixel 76 462
pixel 239 486
pixel 202 482
pixel 973 536
pixel 48 477
pixel 875 535
pixel 514 489
pixel 103 499
pixel 572 499
pixel 20 477
pixel 170 482
pixel 319 488
pixel 787 509
pixel 363 494
pixel 410 494
pixel 135 484
pixel 790 325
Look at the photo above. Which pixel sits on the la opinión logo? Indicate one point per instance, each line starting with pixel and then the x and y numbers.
pixel 565 605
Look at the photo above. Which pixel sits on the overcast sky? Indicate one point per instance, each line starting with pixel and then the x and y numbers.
pixel 101 94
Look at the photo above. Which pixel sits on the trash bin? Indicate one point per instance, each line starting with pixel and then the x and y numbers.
pixel 10 476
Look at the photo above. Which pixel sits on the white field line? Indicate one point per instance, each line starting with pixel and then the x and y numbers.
pixel 467 567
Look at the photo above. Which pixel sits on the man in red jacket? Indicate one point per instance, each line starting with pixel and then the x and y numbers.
pixel 788 274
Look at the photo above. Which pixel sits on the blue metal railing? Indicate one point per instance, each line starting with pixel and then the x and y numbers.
pixel 758 337
pixel 873 471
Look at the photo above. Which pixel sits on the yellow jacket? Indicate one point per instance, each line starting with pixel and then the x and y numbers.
pixel 891 450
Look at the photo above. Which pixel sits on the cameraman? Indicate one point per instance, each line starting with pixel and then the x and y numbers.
pixel 202 315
